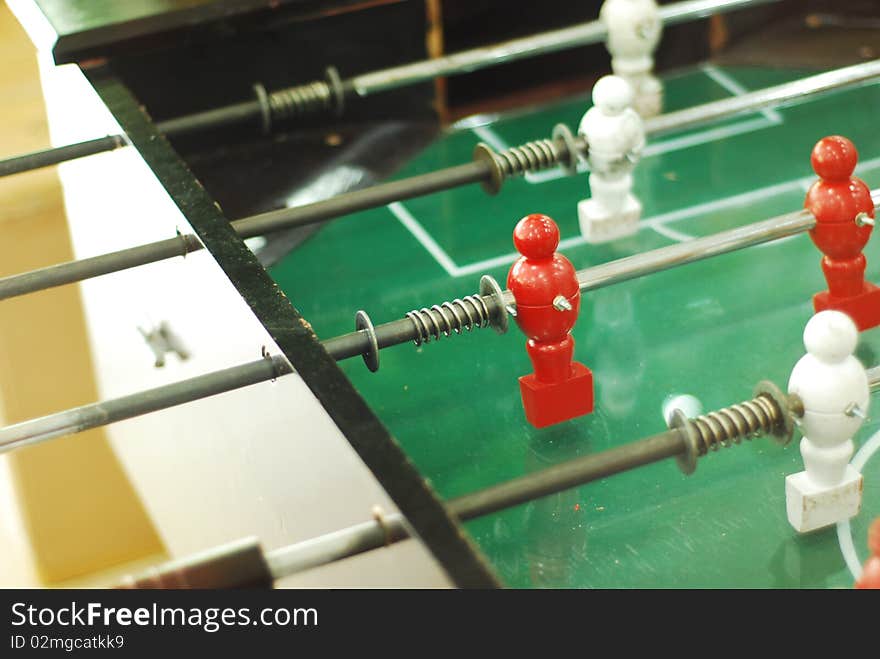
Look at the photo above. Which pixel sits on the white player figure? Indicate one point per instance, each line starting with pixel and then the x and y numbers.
pixel 634 29
pixel 834 389
pixel 615 139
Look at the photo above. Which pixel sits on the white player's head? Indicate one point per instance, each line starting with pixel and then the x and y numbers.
pixel 831 336
pixel 612 94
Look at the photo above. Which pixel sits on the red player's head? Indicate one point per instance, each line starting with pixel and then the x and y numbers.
pixel 834 158
pixel 536 236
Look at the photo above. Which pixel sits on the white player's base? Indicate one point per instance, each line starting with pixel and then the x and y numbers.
pixel 811 506
pixel 599 226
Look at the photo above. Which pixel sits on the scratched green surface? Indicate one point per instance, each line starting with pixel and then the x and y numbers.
pixel 711 329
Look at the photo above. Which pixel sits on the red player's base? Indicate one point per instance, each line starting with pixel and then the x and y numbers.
pixel 546 404
pixel 864 308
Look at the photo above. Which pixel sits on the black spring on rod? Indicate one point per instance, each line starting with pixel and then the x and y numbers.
pixel 563 149
pixel 481 310
pixel 443 319
pixel 770 412
pixel 319 96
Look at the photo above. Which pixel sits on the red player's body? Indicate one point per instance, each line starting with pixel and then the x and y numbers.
pixel 841 203
pixel 545 287
pixel 870 578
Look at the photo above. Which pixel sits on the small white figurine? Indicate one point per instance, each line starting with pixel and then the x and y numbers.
pixel 833 386
pixel 615 139
pixel 634 29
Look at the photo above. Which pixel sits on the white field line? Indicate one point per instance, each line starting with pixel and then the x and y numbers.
pixel 417 230
pixel 733 86
pixel 844 531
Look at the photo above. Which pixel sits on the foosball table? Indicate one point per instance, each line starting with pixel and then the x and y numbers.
pixel 564 299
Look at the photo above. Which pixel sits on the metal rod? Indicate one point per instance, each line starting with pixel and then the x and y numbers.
pixel 372 197
pixel 569 474
pixel 607 274
pixel 103 413
pixel 79 270
pixel 375 196
pixel 86 417
pixel 398 331
pixel 229 114
pixel 95 266
pixel 686 440
pixel 367 536
pixel 796 90
pixel 403 330
pixel 385 79
pixel 385 530
pixel 620 270
pixel 537 44
pixel 769 413
pixel 388 334
pixel 691 251
pixel 110 411
pixel 478 171
pixel 212 568
pixel 347 542
pixel 55 155
pixel 73 271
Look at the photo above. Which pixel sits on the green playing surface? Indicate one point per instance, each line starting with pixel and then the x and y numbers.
pixel 711 329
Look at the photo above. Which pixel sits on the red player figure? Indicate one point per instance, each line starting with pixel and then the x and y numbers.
pixel 548 298
pixel 871 571
pixel 844 212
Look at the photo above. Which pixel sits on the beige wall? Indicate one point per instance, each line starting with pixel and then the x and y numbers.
pixel 67 507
